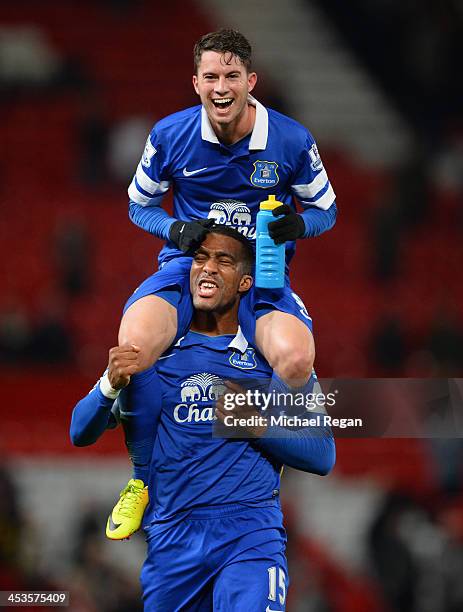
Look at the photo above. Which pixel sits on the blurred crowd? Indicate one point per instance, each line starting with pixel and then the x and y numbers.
pixel 413 49
pixel 414 541
pixel 95 583
pixel 419 75
pixel 412 556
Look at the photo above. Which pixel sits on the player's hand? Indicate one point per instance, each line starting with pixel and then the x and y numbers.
pixel 257 424
pixel 123 362
pixel 187 235
pixel 290 227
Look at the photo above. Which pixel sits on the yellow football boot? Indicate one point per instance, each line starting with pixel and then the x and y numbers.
pixel 127 514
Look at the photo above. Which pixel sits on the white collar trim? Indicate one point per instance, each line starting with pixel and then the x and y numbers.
pixel 259 136
pixel 239 342
pixel 207 133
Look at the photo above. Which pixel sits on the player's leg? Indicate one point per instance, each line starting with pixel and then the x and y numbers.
pixel 288 346
pixel 255 574
pixel 174 575
pixel 246 546
pixel 158 311
pixel 284 334
pixel 151 324
pixel 258 584
pixel 139 408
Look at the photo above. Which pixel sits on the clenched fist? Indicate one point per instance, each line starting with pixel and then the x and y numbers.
pixel 123 362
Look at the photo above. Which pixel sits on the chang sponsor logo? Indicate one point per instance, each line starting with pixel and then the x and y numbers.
pixel 195 392
pixel 233 213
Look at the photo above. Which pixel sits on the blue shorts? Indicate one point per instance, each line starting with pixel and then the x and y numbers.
pixel 227 559
pixel 172 283
pixel 258 302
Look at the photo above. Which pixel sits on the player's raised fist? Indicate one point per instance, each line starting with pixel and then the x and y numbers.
pixel 123 362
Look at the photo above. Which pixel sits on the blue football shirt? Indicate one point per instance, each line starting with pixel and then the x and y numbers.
pixel 190 466
pixel 227 183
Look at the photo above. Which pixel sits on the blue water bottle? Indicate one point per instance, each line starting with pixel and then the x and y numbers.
pixel 270 257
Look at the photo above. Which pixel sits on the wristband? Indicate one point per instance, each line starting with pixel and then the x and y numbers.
pixel 106 389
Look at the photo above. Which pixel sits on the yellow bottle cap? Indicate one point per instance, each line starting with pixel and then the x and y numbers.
pixel 270 204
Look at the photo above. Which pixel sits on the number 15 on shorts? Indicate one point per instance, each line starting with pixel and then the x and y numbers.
pixel 276 587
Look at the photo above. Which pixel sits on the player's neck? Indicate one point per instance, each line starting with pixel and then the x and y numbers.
pixel 230 133
pixel 215 323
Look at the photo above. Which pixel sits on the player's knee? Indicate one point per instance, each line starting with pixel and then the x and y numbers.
pixel 148 354
pixel 130 334
pixel 294 364
pixel 150 323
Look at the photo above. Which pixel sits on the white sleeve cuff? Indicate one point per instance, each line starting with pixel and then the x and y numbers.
pixel 106 389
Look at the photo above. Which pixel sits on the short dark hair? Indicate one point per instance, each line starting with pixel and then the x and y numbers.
pixel 248 252
pixel 225 41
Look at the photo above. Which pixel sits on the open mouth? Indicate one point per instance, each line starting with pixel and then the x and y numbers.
pixel 207 288
pixel 222 103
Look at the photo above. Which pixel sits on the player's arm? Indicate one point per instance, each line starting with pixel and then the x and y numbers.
pixel 311 449
pixel 148 187
pixel 92 414
pixel 91 417
pixel 312 188
pixel 146 192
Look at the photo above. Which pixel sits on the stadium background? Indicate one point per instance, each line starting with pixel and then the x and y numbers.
pixel 379 85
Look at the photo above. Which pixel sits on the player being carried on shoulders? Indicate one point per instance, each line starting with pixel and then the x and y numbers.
pixel 221 159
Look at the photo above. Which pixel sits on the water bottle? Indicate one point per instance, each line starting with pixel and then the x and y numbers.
pixel 270 257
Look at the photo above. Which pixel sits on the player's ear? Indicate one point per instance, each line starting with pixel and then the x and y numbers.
pixel 245 283
pixel 252 80
pixel 195 83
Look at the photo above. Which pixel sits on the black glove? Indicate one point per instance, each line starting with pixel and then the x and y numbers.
pixel 187 235
pixel 290 227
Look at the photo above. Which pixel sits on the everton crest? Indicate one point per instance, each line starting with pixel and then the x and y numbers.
pixel 244 361
pixel 265 174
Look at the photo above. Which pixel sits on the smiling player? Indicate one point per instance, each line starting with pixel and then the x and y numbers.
pixel 222 158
